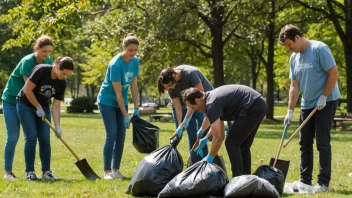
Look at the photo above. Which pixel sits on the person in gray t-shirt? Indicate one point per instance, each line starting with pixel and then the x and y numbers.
pixel 175 80
pixel 238 103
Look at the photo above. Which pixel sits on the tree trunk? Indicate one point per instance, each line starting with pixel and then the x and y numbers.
pixel 218 57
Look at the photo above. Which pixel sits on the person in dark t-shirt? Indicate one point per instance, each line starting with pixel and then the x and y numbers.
pixel 238 103
pixel 45 82
pixel 175 80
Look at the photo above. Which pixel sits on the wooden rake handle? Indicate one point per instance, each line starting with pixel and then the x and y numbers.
pixel 67 146
pixel 301 126
pixel 281 143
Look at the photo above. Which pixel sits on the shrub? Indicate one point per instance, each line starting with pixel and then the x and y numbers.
pixel 82 105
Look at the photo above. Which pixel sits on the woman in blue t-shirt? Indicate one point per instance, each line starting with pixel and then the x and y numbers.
pixel 121 75
pixel 45 82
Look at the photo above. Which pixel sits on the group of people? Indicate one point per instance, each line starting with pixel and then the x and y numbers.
pixel 196 106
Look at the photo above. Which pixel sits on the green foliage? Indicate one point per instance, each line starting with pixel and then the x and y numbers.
pixel 82 105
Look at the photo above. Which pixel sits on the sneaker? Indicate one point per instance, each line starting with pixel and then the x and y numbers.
pixel 108 176
pixel 31 176
pixel 49 175
pixel 118 175
pixel 10 176
pixel 321 188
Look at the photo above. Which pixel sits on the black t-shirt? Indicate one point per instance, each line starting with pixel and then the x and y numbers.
pixel 190 77
pixel 226 102
pixel 46 87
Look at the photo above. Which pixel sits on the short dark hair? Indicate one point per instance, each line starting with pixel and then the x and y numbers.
pixel 65 63
pixel 289 32
pixel 165 77
pixel 191 94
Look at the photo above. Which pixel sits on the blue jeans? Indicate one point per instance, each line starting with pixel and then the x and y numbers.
pixel 35 128
pixel 115 135
pixel 192 129
pixel 12 124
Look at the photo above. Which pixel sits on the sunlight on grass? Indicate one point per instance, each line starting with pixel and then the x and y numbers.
pixel 85 134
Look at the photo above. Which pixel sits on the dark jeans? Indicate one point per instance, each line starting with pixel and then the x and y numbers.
pixel 318 126
pixel 241 136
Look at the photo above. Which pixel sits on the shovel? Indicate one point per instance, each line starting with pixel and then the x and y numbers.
pixel 82 164
pixel 281 164
pixel 301 126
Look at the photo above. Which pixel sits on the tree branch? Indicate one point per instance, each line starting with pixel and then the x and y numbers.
pixel 196 44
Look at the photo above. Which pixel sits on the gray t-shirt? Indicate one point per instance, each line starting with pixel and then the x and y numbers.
pixel 190 77
pixel 226 102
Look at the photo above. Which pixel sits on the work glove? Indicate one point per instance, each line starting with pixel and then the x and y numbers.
pixel 202 143
pixel 126 122
pixel 208 158
pixel 179 131
pixel 321 102
pixel 40 112
pixel 200 133
pixel 288 117
pixel 187 122
pixel 136 112
pixel 58 131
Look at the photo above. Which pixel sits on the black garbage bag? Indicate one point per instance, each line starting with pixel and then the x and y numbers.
pixel 273 175
pixel 249 186
pixel 202 179
pixel 155 171
pixel 145 135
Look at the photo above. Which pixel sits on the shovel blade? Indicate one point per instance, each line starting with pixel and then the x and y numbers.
pixel 282 165
pixel 86 170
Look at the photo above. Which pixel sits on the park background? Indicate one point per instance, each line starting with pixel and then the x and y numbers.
pixel 230 41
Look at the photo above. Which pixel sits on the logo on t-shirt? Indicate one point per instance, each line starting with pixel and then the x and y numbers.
pixel 304 66
pixel 47 91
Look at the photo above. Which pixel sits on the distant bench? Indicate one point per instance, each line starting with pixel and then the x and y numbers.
pixel 340 120
pixel 160 116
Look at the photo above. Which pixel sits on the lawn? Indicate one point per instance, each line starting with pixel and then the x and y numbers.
pixel 85 134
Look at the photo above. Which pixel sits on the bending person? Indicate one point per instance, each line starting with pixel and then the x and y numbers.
pixel 45 82
pixel 238 103
pixel 175 80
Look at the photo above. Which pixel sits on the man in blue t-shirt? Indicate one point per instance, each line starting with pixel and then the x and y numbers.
pixel 313 72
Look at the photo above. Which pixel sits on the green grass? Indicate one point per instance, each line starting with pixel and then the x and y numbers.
pixel 85 134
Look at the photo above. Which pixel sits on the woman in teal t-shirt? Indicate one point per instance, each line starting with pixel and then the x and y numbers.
pixel 121 74
pixel 42 50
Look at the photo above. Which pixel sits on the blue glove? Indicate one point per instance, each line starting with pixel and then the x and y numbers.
pixel 136 112
pixel 202 143
pixel 187 121
pixel 40 112
pixel 58 131
pixel 179 131
pixel 208 158
pixel 126 122
pixel 200 133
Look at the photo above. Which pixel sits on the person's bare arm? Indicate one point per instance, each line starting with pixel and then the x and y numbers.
pixel 28 90
pixel 118 90
pixel 217 130
pixel 178 109
pixel 333 75
pixel 135 93
pixel 293 94
pixel 55 111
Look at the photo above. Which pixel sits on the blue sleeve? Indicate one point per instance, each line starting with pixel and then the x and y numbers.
pixel 326 60
pixel 115 72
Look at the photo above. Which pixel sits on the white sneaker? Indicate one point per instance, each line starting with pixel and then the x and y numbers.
pixel 114 175
pixel 321 188
pixel 49 175
pixel 10 176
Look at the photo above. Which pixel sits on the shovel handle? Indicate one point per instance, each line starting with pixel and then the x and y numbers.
pixel 281 143
pixel 67 146
pixel 301 126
